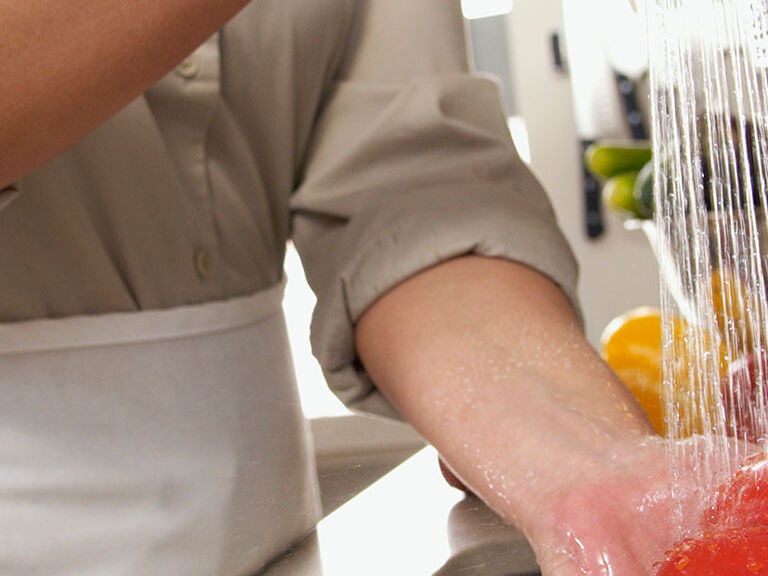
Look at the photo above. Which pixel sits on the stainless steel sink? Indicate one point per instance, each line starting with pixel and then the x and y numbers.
pixel 410 522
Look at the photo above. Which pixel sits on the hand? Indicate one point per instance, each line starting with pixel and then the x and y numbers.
pixel 621 521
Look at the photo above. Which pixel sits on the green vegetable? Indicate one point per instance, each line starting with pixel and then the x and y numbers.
pixel 606 159
pixel 643 191
pixel 619 195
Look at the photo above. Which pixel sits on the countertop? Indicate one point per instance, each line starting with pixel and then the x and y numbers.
pixel 410 522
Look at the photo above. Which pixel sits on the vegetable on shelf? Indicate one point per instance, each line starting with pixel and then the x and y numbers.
pixel 626 170
pixel 643 191
pixel 619 195
pixel 606 158
pixel 631 344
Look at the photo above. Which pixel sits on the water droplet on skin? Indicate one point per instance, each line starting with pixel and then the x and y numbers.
pixel 682 563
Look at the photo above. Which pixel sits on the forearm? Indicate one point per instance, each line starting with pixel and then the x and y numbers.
pixel 487 360
pixel 69 65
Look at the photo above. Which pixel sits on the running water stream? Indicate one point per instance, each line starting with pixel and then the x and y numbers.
pixel 709 111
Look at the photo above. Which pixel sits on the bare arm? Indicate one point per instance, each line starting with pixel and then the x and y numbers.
pixel 487 360
pixel 490 352
pixel 69 65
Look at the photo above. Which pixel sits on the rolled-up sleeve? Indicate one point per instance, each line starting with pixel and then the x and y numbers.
pixel 411 164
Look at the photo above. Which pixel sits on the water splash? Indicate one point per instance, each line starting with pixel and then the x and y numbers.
pixel 709 113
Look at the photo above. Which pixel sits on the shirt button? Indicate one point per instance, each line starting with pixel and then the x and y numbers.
pixel 8 195
pixel 203 263
pixel 189 67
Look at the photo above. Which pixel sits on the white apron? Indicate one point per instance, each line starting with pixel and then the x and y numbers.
pixel 152 443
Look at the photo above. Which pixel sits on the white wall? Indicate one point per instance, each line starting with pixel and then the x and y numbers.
pixel 618 270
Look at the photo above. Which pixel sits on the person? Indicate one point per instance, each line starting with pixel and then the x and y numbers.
pixel 154 159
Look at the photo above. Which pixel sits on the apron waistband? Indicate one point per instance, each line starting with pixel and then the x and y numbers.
pixel 140 326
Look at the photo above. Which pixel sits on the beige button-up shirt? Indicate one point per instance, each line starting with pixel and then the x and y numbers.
pixel 352 127
pixel 145 383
